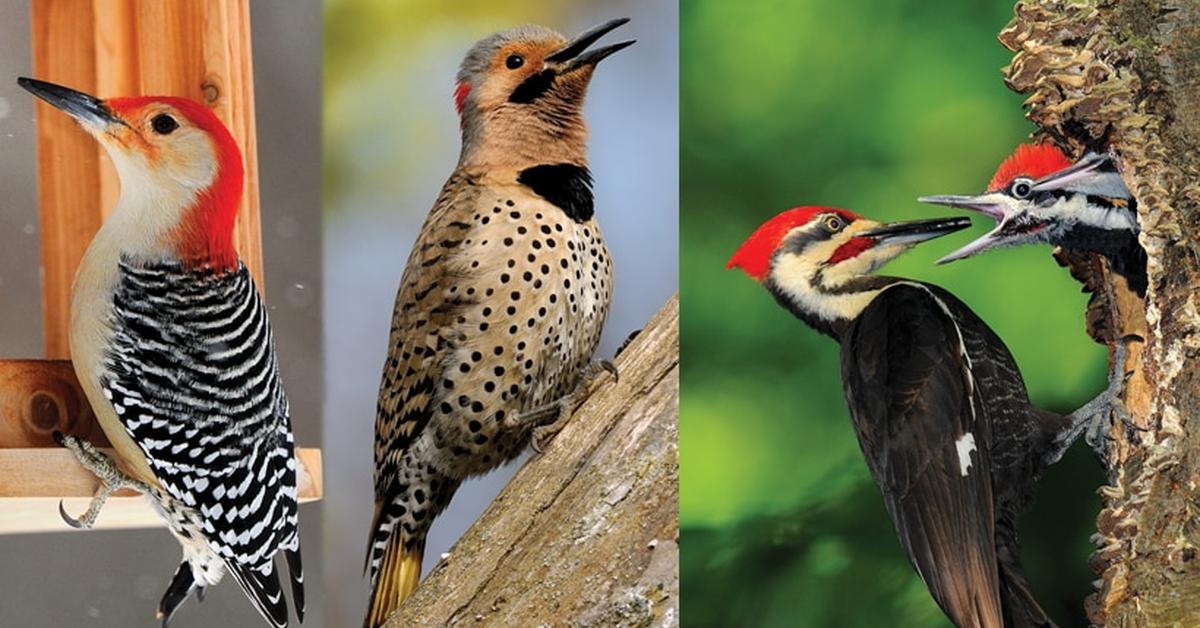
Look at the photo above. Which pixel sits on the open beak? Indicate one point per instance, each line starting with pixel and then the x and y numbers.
pixel 91 112
pixel 914 231
pixel 575 53
pixel 1013 225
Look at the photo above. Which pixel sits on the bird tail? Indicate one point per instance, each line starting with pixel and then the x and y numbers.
pixel 262 587
pixel 395 574
pixel 296 573
pixel 181 587
pixel 1020 609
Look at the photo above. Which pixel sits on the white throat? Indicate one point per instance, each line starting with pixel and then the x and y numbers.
pixel 793 276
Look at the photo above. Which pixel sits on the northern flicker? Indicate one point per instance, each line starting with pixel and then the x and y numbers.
pixel 503 298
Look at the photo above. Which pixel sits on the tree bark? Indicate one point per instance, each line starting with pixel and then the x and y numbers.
pixel 1125 75
pixel 586 534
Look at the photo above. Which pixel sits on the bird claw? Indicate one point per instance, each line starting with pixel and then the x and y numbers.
pixel 1095 420
pixel 68 519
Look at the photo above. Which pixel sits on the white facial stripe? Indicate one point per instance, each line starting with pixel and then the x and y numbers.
pixel 794 274
pixel 1076 209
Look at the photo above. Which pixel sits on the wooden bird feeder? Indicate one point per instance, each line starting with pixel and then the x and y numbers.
pixel 200 50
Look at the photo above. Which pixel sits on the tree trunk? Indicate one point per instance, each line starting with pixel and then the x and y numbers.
pixel 587 533
pixel 1126 75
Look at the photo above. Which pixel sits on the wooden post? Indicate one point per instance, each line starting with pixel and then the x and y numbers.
pixel 200 50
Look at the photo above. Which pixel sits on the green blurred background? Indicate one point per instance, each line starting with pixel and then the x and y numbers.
pixel 864 104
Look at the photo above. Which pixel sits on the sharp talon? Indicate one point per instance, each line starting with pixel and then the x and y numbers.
pixel 536 444
pixel 68 519
pixel 200 594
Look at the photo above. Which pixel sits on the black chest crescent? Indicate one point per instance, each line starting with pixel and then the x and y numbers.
pixel 566 186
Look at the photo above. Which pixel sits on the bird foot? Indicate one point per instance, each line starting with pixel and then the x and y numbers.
pixel 549 419
pixel 1095 419
pixel 112 479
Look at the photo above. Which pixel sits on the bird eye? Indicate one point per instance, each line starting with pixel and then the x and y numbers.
pixel 833 224
pixel 1022 188
pixel 514 61
pixel 163 124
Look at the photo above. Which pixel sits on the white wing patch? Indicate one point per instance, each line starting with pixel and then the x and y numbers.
pixel 965 446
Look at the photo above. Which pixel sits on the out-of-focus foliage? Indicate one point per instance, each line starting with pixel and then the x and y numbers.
pixel 866 105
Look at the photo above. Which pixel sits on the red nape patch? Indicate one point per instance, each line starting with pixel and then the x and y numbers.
pixel 851 249
pixel 460 96
pixel 754 256
pixel 1029 160
pixel 205 231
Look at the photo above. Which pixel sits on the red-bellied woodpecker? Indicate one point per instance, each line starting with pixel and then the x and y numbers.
pixel 171 344
pixel 503 299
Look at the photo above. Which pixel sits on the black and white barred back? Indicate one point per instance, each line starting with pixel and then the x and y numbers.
pixel 192 375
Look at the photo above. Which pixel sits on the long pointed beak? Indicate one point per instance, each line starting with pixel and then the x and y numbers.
pixel 985 204
pixel 915 231
pixel 89 111
pixel 1011 227
pixel 573 54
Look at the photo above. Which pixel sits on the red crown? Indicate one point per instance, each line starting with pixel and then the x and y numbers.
pixel 754 256
pixel 1029 160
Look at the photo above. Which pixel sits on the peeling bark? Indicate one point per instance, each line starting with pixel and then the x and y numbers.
pixel 587 533
pixel 1126 75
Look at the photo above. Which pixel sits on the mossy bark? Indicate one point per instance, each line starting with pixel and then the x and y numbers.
pixel 1125 75
pixel 587 533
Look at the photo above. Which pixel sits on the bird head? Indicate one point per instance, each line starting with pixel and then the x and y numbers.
pixel 817 261
pixel 1038 195
pixel 180 169
pixel 520 94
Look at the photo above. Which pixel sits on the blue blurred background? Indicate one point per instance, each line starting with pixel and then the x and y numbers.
pixel 391 139
pixel 864 104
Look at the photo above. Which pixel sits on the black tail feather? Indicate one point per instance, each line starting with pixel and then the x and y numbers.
pixel 182 585
pixel 262 587
pixel 296 571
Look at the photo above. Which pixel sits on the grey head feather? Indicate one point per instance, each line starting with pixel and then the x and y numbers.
pixel 480 55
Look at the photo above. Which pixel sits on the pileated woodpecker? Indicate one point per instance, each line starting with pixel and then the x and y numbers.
pixel 937 402
pixel 1038 195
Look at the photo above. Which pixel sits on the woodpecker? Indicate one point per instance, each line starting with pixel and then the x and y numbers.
pixel 1038 195
pixel 171 344
pixel 503 298
pixel 936 400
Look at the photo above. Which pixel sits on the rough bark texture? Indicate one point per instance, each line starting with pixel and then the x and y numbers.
pixel 1126 75
pixel 587 533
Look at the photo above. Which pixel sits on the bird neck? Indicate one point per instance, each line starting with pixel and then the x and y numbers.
pixel 830 310
pixel 518 136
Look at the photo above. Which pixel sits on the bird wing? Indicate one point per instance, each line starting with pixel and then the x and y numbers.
pixel 925 435
pixel 423 330
pixel 194 379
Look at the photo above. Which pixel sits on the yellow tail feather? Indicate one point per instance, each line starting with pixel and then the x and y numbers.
pixel 399 573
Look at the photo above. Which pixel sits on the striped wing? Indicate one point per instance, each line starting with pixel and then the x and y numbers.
pixel 194 379
pixel 421 335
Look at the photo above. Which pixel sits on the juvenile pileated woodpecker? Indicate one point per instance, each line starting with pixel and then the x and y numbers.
pixel 1038 195
pixel 937 402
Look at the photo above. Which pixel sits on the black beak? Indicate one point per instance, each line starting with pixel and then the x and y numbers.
pixel 89 111
pixel 572 55
pixel 915 231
